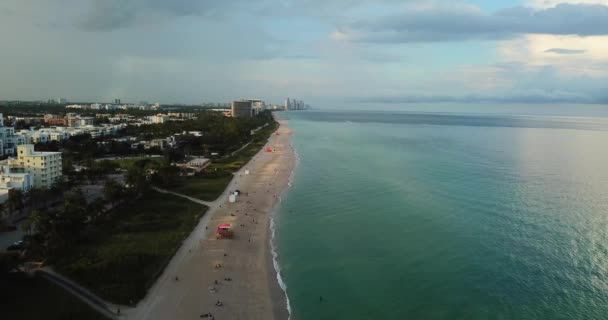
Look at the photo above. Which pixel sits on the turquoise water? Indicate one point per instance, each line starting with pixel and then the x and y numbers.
pixel 429 216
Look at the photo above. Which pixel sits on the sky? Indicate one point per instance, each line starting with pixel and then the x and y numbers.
pixel 326 52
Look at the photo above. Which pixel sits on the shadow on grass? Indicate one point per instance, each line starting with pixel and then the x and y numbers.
pixel 27 298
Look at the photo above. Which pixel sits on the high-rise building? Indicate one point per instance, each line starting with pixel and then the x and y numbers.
pixel 257 106
pixel 287 104
pixel 45 167
pixel 116 101
pixel 241 108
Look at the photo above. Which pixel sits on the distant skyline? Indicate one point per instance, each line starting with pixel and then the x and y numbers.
pixel 332 52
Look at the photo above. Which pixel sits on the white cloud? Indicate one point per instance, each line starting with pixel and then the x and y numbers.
pixel 552 3
pixel 532 50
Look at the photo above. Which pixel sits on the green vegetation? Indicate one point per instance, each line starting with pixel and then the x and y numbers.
pixel 211 184
pixel 118 244
pixel 218 133
pixel 239 159
pixel 121 258
pixel 129 163
pixel 36 298
pixel 206 188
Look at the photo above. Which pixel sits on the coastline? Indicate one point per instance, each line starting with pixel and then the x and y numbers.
pixel 252 291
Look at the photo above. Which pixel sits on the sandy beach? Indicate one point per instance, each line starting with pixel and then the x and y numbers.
pixel 237 272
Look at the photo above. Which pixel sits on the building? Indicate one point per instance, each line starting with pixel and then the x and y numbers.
pixel 294 104
pixel 78 121
pixel 116 101
pixel 182 115
pixel 241 109
pixel 53 120
pixel 257 106
pixel 13 180
pixel 8 139
pixel 159 118
pixel 45 167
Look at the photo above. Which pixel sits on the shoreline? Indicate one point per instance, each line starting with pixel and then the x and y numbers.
pixel 282 310
pixel 279 297
pixel 247 282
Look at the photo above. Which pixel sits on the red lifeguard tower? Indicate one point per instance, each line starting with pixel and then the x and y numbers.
pixel 224 231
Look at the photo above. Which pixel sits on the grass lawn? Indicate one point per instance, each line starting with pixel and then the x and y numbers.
pixel 206 188
pixel 26 298
pixel 125 256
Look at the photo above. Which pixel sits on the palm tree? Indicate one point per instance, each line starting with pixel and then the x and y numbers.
pixel 32 222
pixel 15 200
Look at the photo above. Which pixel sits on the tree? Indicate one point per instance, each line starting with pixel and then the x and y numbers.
pixel 136 180
pixel 38 196
pixel 30 224
pixel 173 155
pixel 63 185
pixel 165 174
pixel 3 211
pixel 96 209
pixel 15 200
pixel 113 191
pixel 73 215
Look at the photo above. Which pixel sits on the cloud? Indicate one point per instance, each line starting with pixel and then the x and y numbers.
pixel 590 58
pixel 107 15
pixel 193 50
pixel 553 3
pixel 468 23
pixel 564 51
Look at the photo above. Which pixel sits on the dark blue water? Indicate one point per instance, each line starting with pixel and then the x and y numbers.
pixel 444 216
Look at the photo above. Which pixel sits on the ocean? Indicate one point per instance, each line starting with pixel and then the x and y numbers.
pixel 395 215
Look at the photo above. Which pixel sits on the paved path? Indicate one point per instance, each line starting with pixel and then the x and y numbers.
pixel 107 309
pixel 199 201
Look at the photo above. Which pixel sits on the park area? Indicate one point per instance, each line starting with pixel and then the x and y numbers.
pixel 210 186
pixel 122 258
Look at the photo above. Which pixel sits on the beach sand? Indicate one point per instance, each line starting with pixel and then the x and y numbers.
pixel 253 291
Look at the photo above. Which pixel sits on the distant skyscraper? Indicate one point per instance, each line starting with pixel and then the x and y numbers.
pixel 116 101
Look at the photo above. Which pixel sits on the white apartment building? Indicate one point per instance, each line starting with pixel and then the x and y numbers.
pixel 45 167
pixel 13 180
pixel 159 118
